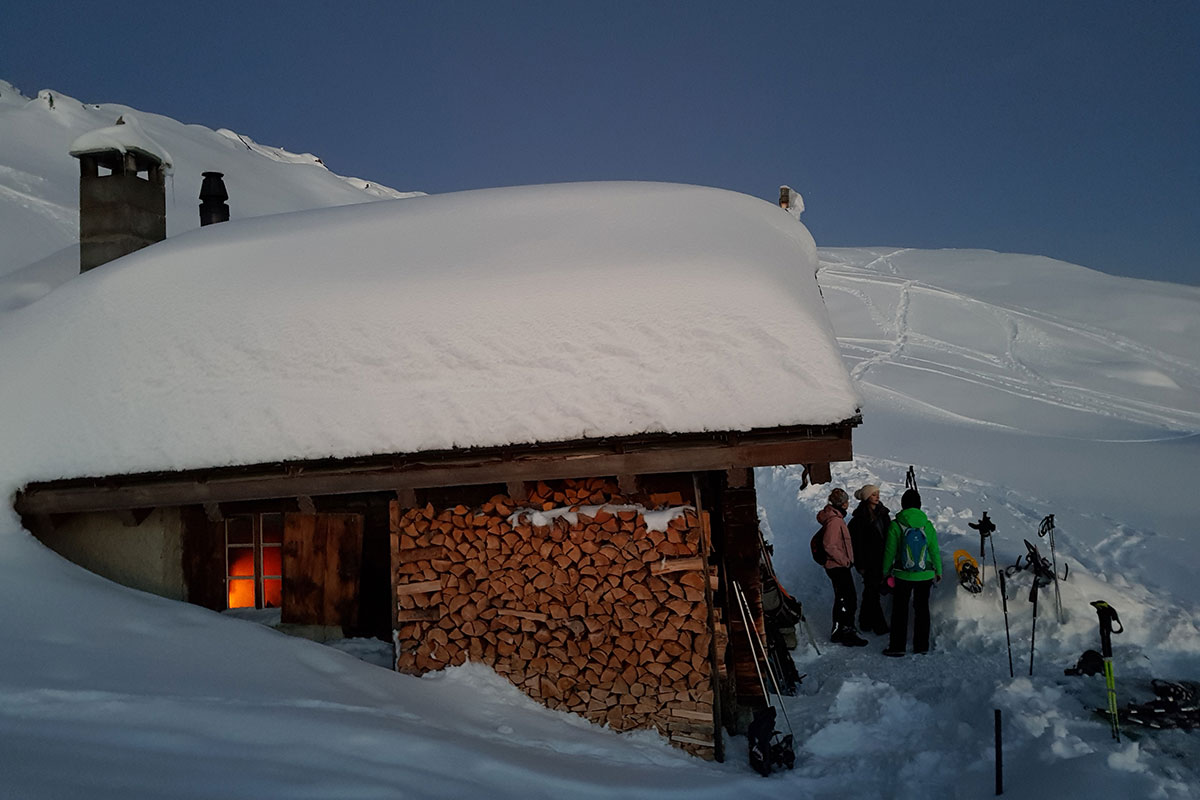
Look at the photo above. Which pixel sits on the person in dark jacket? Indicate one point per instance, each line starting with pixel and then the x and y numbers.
pixel 868 531
pixel 914 573
pixel 839 551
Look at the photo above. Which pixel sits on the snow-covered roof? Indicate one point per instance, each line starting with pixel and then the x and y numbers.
pixel 482 318
pixel 126 136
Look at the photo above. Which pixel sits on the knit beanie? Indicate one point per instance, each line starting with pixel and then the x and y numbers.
pixel 866 491
pixel 911 499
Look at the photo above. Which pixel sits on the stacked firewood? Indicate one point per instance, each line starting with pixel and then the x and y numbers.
pixel 572 596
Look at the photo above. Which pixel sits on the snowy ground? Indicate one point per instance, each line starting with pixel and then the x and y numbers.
pixel 143 697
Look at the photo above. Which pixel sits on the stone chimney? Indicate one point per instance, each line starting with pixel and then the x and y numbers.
pixel 791 201
pixel 122 196
pixel 213 195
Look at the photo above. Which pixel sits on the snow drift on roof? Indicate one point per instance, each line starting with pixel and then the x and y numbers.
pixel 480 318
pixel 126 135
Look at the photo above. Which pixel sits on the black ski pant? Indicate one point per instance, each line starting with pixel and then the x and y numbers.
pixel 918 591
pixel 845 600
pixel 870 613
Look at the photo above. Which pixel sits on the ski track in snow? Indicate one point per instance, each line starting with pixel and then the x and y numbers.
pixel 1008 371
pixel 17 187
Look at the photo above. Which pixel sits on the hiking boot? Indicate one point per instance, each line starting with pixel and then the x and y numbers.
pixel 850 638
pixel 893 653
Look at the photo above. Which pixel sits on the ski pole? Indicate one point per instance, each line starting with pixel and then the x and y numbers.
pixel 1108 616
pixel 1047 527
pixel 1033 595
pixel 1004 600
pixel 809 632
pixel 753 635
pixel 910 479
pixel 741 601
pixel 986 528
pixel 999 755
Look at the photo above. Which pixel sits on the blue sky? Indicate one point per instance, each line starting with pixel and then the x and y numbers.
pixel 1065 129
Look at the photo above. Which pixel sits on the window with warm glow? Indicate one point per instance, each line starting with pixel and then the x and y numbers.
pixel 253 558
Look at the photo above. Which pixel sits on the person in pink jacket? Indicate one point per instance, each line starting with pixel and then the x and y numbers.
pixel 835 537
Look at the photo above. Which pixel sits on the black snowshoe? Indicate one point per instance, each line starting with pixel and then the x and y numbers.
pixel 1176 705
pixel 1043 571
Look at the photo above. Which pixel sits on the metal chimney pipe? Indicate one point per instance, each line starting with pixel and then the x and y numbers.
pixel 213 195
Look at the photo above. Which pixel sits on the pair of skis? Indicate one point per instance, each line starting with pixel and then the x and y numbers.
pixel 768 747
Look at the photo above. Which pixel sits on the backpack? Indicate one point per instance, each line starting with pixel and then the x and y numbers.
pixel 817 544
pixel 914 549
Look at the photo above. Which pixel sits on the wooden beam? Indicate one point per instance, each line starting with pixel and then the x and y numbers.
pixel 212 510
pixel 133 517
pixel 212 487
pixel 737 477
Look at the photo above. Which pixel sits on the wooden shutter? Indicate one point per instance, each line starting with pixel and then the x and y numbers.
pixel 203 559
pixel 322 555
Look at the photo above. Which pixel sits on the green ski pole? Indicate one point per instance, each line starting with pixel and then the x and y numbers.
pixel 1109 618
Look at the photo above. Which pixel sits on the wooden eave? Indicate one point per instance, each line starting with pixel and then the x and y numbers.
pixel 631 455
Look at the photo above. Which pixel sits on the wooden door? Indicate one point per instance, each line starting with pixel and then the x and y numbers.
pixel 322 555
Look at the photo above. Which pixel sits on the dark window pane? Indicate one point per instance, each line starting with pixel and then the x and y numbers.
pixel 272 528
pixel 239 530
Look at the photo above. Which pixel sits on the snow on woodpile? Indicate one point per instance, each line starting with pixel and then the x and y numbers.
pixel 480 318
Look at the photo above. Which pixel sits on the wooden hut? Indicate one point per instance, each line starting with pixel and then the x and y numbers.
pixel 593 570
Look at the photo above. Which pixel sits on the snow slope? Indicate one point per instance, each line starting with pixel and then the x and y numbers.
pixel 1015 385
pixel 39 180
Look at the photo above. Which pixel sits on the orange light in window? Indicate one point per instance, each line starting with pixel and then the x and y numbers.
pixel 241 562
pixel 241 593
pixel 272 592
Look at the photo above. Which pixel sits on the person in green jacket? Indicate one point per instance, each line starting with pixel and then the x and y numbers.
pixel 912 564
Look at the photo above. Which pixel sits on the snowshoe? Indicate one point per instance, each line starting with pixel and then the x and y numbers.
pixel 760 731
pixel 783 753
pixel 968 571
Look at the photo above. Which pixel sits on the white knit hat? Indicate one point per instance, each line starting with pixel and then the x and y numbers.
pixel 866 491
